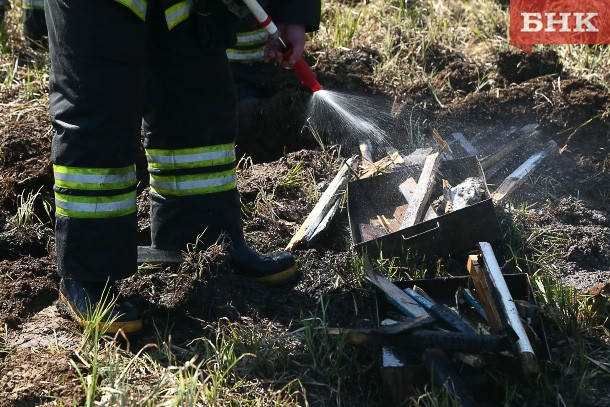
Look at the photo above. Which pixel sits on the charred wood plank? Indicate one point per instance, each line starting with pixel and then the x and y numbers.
pixel 514 180
pixel 324 205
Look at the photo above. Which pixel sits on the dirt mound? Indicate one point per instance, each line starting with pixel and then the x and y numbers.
pixel 437 57
pixel 25 143
pixel 518 67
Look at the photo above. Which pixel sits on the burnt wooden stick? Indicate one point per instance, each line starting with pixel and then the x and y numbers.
pixel 514 180
pixel 440 367
pixel 324 205
pixel 377 336
pixel 488 161
pixel 424 189
pixel 526 351
pixel 442 313
pixel 394 295
pixel 452 341
pixel 443 145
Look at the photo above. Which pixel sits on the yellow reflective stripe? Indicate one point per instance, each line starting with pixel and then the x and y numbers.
pixel 137 6
pixel 188 151
pixel 97 171
pixel 95 206
pixel 193 184
pixel 96 179
pixel 240 55
pixel 178 13
pixel 191 157
pixel 33 4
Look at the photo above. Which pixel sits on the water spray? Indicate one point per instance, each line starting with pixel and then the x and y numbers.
pixel 304 72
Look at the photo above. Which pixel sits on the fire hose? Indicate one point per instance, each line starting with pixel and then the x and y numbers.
pixel 303 71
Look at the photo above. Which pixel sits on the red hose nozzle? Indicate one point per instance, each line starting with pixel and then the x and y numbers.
pixel 307 75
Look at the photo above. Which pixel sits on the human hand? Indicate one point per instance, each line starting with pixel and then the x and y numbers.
pixel 294 36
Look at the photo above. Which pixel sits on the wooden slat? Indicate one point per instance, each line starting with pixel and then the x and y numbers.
pixel 518 176
pixel 407 188
pixel 326 203
pixel 418 156
pixel 424 189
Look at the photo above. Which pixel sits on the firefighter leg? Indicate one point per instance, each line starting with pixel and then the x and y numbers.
pixel 190 130
pixel 97 51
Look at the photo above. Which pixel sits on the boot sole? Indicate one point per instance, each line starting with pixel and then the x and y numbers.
pixel 125 326
pixel 282 277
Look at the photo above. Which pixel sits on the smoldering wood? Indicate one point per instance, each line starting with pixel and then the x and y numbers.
pixel 422 192
pixel 370 232
pixel 324 205
pixel 395 155
pixel 514 180
pixel 380 335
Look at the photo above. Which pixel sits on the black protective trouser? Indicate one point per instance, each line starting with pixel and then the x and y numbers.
pixel 110 70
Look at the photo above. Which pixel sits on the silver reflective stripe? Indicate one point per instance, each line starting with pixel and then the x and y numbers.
pixel 242 56
pixel 99 207
pixel 194 184
pixel 33 3
pixel 95 178
pixel 191 158
pixel 259 37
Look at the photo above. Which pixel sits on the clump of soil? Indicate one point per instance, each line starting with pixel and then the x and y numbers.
pixel 459 76
pixel 437 57
pixel 518 67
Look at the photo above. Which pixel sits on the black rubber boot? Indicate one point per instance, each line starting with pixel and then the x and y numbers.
pixel 274 268
pixel 81 298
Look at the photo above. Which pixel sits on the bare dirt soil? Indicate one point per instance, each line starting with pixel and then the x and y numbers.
pixel 570 194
